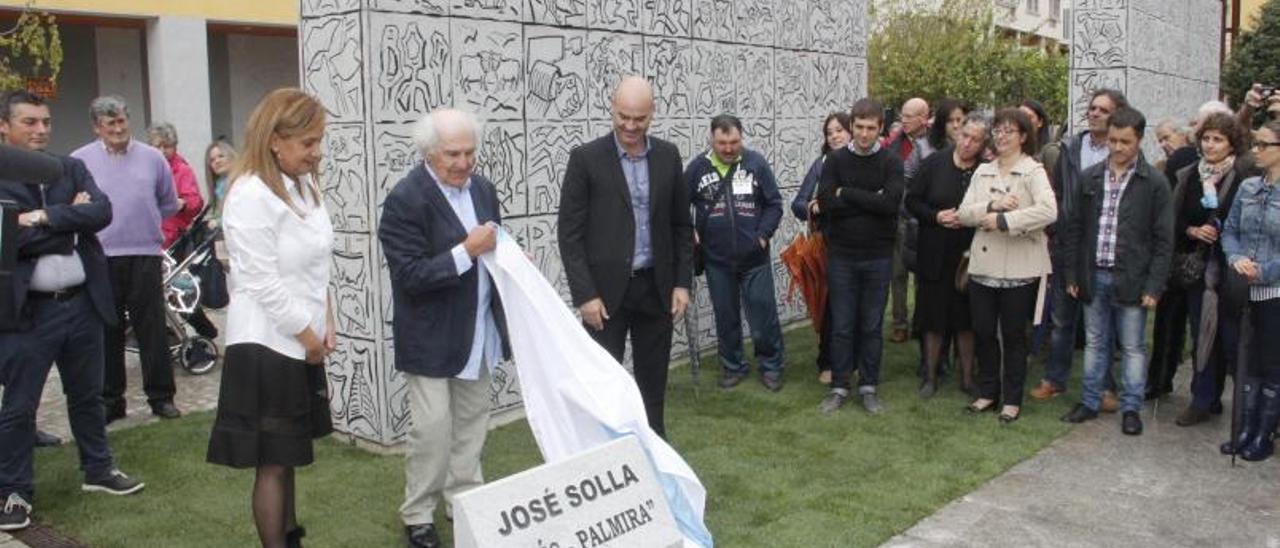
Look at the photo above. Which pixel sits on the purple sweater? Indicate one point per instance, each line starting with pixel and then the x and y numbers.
pixel 142 195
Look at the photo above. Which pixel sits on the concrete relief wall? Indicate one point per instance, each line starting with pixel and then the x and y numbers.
pixel 540 72
pixel 1162 53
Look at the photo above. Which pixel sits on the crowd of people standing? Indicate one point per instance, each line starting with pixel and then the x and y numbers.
pixel 1014 237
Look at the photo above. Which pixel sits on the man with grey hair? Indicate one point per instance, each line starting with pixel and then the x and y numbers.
pixel 137 179
pixel 449 328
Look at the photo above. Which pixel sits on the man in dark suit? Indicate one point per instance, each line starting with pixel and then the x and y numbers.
pixel 626 240
pixel 449 328
pixel 58 301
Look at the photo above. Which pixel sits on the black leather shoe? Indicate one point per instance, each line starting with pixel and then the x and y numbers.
pixel 293 539
pixel 771 382
pixel 1131 424
pixel 45 439
pixel 1079 414
pixel 165 410
pixel 423 536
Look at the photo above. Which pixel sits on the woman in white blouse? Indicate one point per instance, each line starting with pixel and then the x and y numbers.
pixel 274 398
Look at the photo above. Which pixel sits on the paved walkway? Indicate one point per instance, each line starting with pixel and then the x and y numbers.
pixel 1096 487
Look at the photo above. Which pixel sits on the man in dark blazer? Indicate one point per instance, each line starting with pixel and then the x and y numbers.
pixel 626 240
pixel 54 309
pixel 449 328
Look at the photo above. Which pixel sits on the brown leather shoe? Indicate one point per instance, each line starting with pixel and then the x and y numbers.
pixel 1192 416
pixel 1110 402
pixel 899 336
pixel 1046 391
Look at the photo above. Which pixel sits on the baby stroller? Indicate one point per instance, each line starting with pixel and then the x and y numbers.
pixel 188 273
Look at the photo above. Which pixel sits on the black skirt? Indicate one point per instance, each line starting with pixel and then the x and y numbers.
pixel 940 308
pixel 270 407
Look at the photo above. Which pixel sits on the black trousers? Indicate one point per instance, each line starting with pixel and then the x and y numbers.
pixel 646 316
pixel 1168 339
pixel 136 284
pixel 1002 369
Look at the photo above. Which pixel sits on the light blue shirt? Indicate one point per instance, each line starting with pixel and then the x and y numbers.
pixel 485 344
pixel 636 170
pixel 1091 153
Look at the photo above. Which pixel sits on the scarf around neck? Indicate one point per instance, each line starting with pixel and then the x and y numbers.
pixel 1210 175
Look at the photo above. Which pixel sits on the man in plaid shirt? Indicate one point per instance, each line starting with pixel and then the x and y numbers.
pixel 1118 246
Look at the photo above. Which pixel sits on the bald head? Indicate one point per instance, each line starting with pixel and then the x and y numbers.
pixel 447 139
pixel 915 116
pixel 633 107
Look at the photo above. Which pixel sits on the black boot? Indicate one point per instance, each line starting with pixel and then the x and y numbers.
pixel 293 539
pixel 1248 416
pixel 1263 444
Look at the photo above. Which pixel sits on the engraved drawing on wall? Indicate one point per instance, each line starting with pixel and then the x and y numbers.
pixel 667 17
pixel 753 71
pixel 353 386
pixel 344 186
pixel 329 7
pixel 714 20
pixel 495 9
pixel 621 15
pixel 1099 39
pixel 667 66
pixel 549 146
pixel 331 70
pixel 711 89
pixel 556 65
pixel 501 158
pixel 488 78
pixel 610 57
pixel 557 12
pixel 755 21
pixel 412 66
pixel 428 7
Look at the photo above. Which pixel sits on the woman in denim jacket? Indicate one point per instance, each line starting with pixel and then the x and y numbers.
pixel 1251 242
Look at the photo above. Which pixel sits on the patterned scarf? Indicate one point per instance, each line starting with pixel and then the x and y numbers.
pixel 1210 175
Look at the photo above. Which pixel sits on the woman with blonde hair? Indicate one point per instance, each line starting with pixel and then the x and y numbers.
pixel 273 399
pixel 219 158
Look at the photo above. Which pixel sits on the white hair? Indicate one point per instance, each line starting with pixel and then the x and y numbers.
pixel 1212 107
pixel 426 132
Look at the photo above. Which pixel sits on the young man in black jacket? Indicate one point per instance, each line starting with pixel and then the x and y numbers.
pixel 859 195
pixel 738 207
pixel 1117 247
pixel 61 297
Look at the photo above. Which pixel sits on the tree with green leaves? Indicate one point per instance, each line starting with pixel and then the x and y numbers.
pixel 1256 55
pixel 30 50
pixel 952 49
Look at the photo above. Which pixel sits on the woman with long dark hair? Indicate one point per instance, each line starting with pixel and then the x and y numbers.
pixel 835 134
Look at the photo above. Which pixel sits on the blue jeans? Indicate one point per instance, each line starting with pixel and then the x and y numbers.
pixel 729 288
pixel 858 292
pixel 69 332
pixel 1065 309
pixel 1104 322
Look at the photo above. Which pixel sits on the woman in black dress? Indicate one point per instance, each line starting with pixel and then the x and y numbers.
pixel 941 308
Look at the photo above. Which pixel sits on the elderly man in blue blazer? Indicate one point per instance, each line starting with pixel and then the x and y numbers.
pixel 449 327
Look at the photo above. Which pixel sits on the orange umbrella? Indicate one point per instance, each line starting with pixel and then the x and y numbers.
pixel 806 260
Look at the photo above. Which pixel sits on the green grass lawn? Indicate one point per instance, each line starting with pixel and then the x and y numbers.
pixel 776 472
